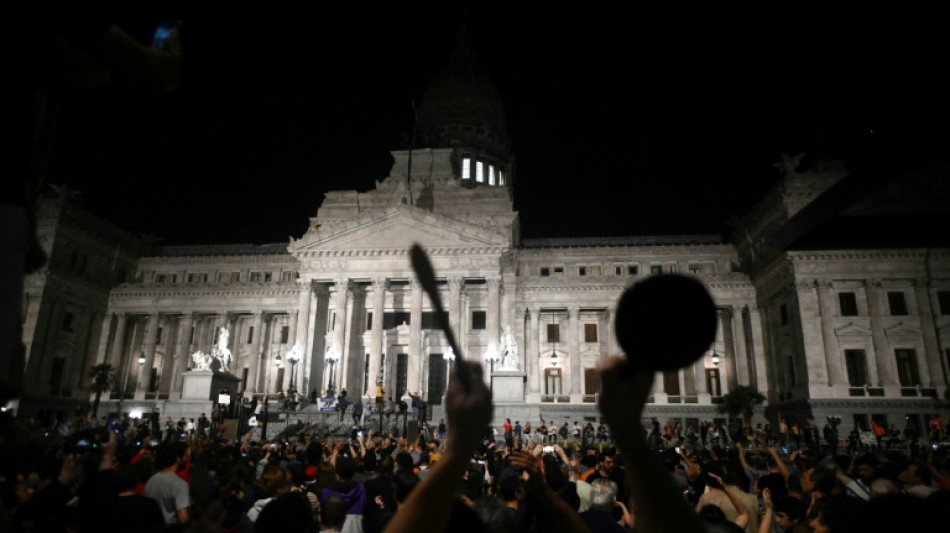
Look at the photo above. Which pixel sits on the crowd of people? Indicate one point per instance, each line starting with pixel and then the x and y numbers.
pixel 627 474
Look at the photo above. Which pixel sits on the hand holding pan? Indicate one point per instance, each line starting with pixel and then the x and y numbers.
pixel 665 322
pixel 426 275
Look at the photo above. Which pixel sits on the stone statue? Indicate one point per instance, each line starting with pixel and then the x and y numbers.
pixel 509 350
pixel 202 360
pixel 221 353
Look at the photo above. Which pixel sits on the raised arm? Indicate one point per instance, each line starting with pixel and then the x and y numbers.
pixel 469 410
pixel 742 516
pixel 656 502
pixel 552 509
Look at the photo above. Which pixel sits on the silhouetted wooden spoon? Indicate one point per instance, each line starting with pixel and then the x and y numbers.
pixel 426 276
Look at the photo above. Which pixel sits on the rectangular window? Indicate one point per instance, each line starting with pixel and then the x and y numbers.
pixel 590 332
pixel 158 335
pixel 943 302
pixel 632 270
pixel 554 332
pixel 369 321
pixel 712 382
pixel 671 383
pixel 268 276
pixel 254 277
pixel 235 277
pixel 402 373
pixel 656 269
pixel 56 374
pixel 582 271
pixel 479 172
pixel 694 268
pixel 152 380
pixel 907 367
pixel 331 324
pixel 491 174
pixel 618 270
pixel 68 319
pixel 669 267
pixel 501 178
pixel 479 319
pixel 783 314
pixel 429 319
pixel 591 381
pixel 250 334
pixel 284 334
pixel 545 272
pixel 595 270
pixel 279 385
pixel 897 303
pixel 466 168
pixel 857 368
pixel 558 271
pixel 848 304
pixel 289 275
pixel 393 319
pixel 244 374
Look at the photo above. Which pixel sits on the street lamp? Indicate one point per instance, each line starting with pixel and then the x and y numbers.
pixel 293 357
pixel 277 363
pixel 715 356
pixel 491 357
pixel 332 357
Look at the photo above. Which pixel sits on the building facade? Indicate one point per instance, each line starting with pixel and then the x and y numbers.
pixel 856 333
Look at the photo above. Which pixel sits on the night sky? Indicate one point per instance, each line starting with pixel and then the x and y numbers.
pixel 621 124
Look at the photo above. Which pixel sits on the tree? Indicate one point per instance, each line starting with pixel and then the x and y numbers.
pixel 741 401
pixel 103 378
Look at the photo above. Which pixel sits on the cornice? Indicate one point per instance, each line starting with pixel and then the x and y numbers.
pixel 377 252
pixel 623 253
pixel 865 255
pixel 290 289
pixel 262 259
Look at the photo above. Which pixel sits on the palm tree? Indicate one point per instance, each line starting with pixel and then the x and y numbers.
pixel 103 378
pixel 741 401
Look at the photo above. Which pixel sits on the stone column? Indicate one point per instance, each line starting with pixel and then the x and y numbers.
pixel 882 357
pixel 118 343
pixel 742 355
pixel 151 333
pixel 291 376
pixel 102 348
pixel 934 377
pixel 699 377
pixel 310 357
pixel 415 334
pixel 264 366
pixel 573 339
pixel 234 333
pixel 758 351
pixel 255 355
pixel 300 333
pixel 532 361
pixel 725 333
pixel 455 309
pixel 380 285
pixel 826 311
pixel 494 289
pixel 612 347
pixel 89 342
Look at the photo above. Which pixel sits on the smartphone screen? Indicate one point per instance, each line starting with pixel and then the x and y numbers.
pixel 162 32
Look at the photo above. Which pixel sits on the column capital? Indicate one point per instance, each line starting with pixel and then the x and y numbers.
pixel 293 314
pixel 876 283
pixel 574 311
pixel 456 283
pixel 823 284
pixel 380 284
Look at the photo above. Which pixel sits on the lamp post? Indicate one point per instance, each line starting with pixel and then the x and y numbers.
pixel 491 357
pixel 332 357
pixel 293 357
pixel 449 356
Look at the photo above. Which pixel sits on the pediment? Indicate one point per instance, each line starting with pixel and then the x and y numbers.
pixel 852 329
pixel 902 329
pixel 398 228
